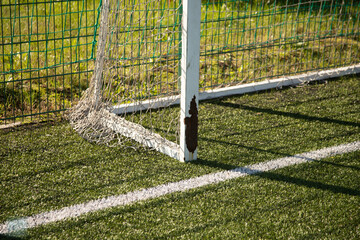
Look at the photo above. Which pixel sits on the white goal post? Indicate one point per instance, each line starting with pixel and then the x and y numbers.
pixel 183 154
pixel 189 98
pixel 103 115
pixel 94 117
pixel 187 151
pixel 190 59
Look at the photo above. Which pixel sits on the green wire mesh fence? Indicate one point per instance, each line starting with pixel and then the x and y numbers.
pixel 47 47
pixel 46 56
pixel 250 40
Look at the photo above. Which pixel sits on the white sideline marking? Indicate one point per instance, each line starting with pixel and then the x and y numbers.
pixel 161 190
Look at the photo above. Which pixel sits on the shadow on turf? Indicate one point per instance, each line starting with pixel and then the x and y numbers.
pixel 293 180
pixel 180 197
pixel 213 164
pixel 309 184
pixel 286 114
pixel 8 237
pixel 242 146
pixel 30 126
pixel 338 165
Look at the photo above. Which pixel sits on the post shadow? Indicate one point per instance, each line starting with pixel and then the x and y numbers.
pixel 9 237
pixel 287 114
pixel 309 184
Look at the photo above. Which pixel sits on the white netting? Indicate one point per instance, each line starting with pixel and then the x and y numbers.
pixel 137 60
pixel 139 48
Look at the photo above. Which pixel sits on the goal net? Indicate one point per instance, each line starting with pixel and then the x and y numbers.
pixel 137 67
pixel 154 55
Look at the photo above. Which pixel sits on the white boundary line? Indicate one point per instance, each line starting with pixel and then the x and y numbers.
pixel 164 189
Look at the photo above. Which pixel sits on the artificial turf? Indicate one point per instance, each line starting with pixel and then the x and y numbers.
pixel 311 201
pixel 48 166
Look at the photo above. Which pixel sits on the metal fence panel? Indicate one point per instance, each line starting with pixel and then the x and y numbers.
pixel 46 56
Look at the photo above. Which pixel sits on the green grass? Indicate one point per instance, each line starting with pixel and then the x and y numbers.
pixel 46 167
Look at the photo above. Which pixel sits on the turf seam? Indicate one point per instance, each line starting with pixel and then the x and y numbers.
pixel 168 188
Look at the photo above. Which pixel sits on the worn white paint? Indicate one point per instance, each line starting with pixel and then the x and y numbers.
pixel 168 188
pixel 190 59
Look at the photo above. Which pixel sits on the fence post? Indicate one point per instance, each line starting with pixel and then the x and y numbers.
pixel 190 58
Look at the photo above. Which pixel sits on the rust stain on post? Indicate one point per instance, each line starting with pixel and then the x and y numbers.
pixel 191 127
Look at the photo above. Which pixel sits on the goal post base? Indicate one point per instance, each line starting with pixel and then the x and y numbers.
pixel 140 134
